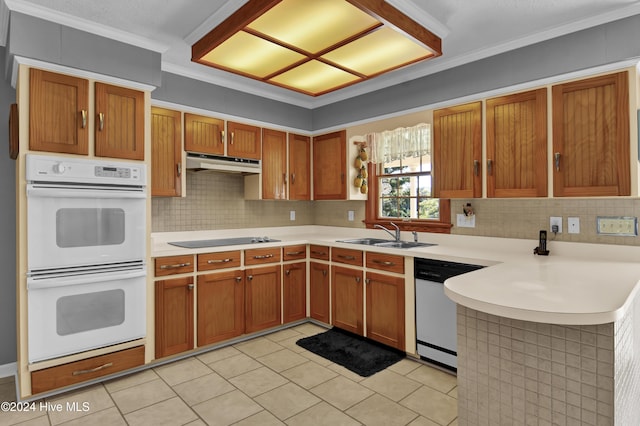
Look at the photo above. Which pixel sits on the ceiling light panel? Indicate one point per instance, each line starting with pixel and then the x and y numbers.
pixel 313 25
pixel 248 54
pixel 315 77
pixel 379 51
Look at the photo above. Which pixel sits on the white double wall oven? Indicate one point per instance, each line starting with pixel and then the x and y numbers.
pixel 86 237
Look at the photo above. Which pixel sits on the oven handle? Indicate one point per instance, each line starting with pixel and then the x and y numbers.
pixel 56 282
pixel 39 191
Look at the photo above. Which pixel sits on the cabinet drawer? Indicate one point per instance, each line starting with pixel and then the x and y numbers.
pixel 224 259
pixel 172 265
pixel 352 257
pixel 319 252
pixel 261 255
pixel 294 252
pixel 86 369
pixel 385 262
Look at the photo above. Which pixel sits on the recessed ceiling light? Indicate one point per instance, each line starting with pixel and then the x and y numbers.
pixel 315 47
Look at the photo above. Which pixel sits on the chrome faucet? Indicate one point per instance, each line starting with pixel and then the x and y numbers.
pixel 396 236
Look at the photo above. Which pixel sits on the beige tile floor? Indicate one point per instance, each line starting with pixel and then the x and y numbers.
pixel 265 381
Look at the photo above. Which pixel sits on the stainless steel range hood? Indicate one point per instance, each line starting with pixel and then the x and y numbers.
pixel 214 163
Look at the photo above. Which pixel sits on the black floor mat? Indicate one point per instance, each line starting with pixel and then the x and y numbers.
pixel 360 355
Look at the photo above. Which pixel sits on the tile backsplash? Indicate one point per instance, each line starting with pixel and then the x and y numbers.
pixel 216 201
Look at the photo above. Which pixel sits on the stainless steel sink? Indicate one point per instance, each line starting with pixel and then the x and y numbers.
pixel 403 244
pixel 365 241
pixel 377 242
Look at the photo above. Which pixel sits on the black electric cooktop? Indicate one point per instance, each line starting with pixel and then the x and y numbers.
pixel 222 242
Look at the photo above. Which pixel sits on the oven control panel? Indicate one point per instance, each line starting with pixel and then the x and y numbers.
pixel 49 168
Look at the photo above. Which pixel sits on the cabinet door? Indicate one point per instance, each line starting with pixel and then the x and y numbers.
pixel 174 316
pixel 220 306
pixel 58 111
pixel 166 152
pixel 299 167
pixel 457 151
pixel 294 287
pixel 385 309
pixel 203 134
pixel 274 165
pixel 119 122
pixel 319 291
pixel 244 141
pixel 262 298
pixel 330 166
pixel 591 137
pixel 347 299
pixel 517 145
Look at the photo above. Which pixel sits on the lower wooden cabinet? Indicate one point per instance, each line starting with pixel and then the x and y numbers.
pixel 220 306
pixel 385 309
pixel 86 369
pixel 174 316
pixel 294 287
pixel 319 291
pixel 347 299
pixel 263 303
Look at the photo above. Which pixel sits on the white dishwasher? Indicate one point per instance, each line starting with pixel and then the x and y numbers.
pixel 435 312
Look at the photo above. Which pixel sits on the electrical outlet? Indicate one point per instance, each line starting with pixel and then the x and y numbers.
pixel 555 221
pixel 573 225
pixel 292 215
pixel 351 215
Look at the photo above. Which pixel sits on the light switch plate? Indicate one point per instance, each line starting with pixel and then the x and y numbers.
pixel 617 225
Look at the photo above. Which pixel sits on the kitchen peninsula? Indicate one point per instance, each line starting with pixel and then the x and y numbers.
pixel 554 338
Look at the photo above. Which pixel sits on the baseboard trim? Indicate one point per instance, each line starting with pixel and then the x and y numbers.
pixel 7 370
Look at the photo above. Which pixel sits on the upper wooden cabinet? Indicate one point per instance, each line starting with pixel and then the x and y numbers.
pixel 203 134
pixel 119 123
pixel 299 167
pixel 517 145
pixel 329 166
pixel 58 113
pixel 591 137
pixel 166 152
pixel 274 165
pixel 457 151
pixel 244 141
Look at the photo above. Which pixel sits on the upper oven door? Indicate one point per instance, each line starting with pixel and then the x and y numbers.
pixel 69 227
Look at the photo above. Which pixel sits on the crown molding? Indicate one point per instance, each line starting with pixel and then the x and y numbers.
pixel 4 23
pixel 85 25
pixel 214 20
pixel 421 16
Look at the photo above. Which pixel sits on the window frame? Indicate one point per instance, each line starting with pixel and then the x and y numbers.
pixel 442 225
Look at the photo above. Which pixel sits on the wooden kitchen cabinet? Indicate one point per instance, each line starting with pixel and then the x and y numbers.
pixel 274 165
pixel 347 299
pixel 219 260
pixel 203 134
pixel 166 152
pixel 174 316
pixel 244 141
pixel 517 145
pixel 457 151
pixel 58 113
pixel 296 252
pixel 299 167
pixel 263 304
pixel 385 309
pixel 294 287
pixel 591 152
pixel 119 127
pixel 348 256
pixel 319 252
pixel 329 166
pixel 319 291
pixel 173 265
pixel 262 255
pixel 220 306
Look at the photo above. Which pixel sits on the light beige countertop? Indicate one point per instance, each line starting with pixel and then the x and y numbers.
pixel 576 284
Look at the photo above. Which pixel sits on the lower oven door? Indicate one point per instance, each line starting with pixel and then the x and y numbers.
pixel 68 227
pixel 67 315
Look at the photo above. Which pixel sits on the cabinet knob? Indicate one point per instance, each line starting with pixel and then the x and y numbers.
pixel 100 121
pixel 368 281
pixel 476 167
pixel 556 159
pixel 293 178
pixel 489 167
pixel 249 277
pixel 190 286
pixel 232 134
pixel 358 279
pixel 179 168
pixel 83 113
pixel 324 272
pixel 238 279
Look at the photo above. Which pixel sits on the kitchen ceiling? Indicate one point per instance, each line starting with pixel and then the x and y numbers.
pixel 470 30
